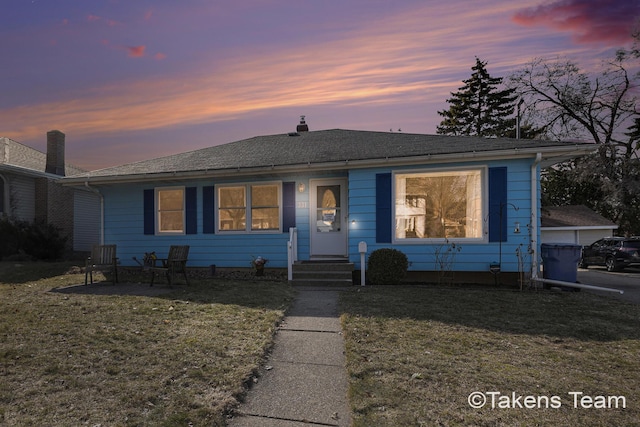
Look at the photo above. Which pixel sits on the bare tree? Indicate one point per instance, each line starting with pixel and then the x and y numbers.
pixel 568 103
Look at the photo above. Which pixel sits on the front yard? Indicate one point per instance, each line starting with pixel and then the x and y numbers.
pixel 68 358
pixel 415 354
pixel 423 356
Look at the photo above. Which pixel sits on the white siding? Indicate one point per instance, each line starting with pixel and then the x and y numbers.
pixel 86 229
pixel 559 236
pixel 575 236
pixel 587 237
pixel 22 196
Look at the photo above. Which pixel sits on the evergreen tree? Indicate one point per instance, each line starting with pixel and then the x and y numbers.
pixel 634 136
pixel 480 107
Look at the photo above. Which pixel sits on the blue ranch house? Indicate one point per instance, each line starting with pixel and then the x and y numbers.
pixel 316 195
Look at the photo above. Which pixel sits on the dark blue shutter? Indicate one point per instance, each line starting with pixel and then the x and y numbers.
pixel 288 206
pixel 383 208
pixel 497 199
pixel 149 211
pixel 208 210
pixel 191 210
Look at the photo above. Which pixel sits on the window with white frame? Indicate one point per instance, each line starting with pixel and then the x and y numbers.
pixel 439 204
pixel 249 207
pixel 265 207
pixel 171 209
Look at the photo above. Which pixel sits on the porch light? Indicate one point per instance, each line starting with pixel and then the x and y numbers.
pixel 516 230
pixel 301 187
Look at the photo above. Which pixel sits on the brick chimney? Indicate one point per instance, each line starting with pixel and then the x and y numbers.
pixel 302 126
pixel 55 153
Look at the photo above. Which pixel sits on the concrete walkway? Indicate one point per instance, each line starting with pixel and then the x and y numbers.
pixel 304 381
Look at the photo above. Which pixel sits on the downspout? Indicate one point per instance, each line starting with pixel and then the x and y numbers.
pixel 578 285
pixel 96 191
pixel 534 217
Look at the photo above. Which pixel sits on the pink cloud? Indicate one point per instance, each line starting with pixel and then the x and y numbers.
pixel 160 56
pixel 148 15
pixel 590 21
pixel 93 18
pixel 136 51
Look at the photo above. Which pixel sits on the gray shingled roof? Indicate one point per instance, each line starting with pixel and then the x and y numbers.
pixel 13 153
pixel 572 216
pixel 318 147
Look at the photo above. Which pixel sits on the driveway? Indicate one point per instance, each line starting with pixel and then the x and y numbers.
pixel 627 281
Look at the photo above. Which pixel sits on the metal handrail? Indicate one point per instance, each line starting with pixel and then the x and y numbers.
pixel 292 251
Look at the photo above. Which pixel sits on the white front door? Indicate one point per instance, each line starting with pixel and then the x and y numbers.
pixel 329 215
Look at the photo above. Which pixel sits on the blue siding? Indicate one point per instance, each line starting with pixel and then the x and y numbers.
pixel 126 207
pixel 472 256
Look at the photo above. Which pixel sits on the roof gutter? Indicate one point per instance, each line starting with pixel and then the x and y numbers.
pixel 28 172
pixel 557 153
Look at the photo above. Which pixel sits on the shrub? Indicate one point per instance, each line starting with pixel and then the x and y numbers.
pixel 10 238
pixel 38 240
pixel 387 266
pixel 43 241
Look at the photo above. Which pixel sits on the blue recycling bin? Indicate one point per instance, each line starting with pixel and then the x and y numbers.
pixel 560 261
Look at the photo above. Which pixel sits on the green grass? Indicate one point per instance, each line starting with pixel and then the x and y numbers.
pixel 415 354
pixel 179 358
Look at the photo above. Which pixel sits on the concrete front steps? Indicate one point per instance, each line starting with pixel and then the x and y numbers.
pixel 322 273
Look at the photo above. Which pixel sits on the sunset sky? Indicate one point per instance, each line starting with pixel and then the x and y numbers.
pixel 130 80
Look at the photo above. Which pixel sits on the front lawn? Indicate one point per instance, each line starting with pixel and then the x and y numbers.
pixel 416 354
pixel 118 359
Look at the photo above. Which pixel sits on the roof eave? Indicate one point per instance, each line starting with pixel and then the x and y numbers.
pixel 28 172
pixel 550 155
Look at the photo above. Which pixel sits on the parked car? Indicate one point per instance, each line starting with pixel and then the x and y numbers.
pixel 615 253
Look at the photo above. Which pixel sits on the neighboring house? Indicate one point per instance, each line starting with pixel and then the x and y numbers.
pixel 337 188
pixel 29 191
pixel 574 224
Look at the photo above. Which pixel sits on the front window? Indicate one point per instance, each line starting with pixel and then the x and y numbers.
pixel 251 207
pixel 170 203
pixel 233 208
pixel 439 205
pixel 265 210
